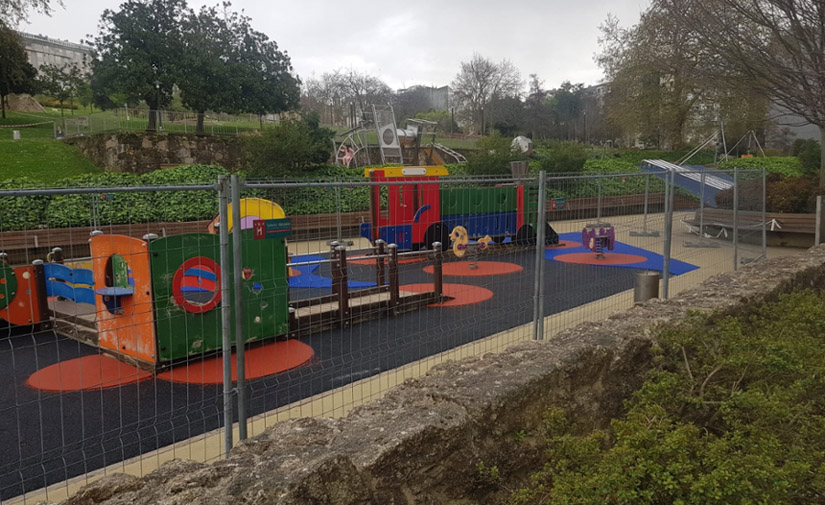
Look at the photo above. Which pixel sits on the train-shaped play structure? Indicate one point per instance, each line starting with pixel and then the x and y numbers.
pixel 420 212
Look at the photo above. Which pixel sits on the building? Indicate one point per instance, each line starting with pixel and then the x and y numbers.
pixel 44 50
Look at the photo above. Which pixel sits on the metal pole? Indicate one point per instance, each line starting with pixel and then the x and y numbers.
pixel 735 219
pixel 538 307
pixel 702 207
pixel 764 210
pixel 647 197
pixel 668 234
pixel 237 267
pixel 338 211
pixel 599 204
pixel 226 312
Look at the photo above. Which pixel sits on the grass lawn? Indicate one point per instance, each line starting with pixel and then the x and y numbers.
pixel 37 156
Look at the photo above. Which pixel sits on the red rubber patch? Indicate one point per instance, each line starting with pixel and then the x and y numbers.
pixel 461 294
pixel 262 361
pixel 484 268
pixel 371 262
pixel 564 244
pixel 84 374
pixel 589 258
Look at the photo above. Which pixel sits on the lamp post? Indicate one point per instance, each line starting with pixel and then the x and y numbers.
pixel 158 127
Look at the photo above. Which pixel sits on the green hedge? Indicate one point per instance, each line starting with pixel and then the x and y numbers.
pixel 789 166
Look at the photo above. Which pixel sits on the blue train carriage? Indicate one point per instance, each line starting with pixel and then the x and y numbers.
pixel 419 211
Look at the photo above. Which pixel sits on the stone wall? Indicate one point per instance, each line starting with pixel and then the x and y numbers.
pixel 143 152
pixel 422 442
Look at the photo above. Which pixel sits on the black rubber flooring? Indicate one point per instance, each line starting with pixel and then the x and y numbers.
pixel 49 437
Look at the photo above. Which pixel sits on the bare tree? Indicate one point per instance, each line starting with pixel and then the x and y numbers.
pixel 777 46
pixel 481 80
pixel 330 95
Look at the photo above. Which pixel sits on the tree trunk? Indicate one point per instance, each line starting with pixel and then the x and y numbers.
pixel 199 126
pixel 3 105
pixel 153 123
pixel 71 105
pixel 61 108
pixel 261 121
pixel 822 155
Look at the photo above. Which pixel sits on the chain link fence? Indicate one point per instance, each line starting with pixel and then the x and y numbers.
pixel 136 335
pixel 140 120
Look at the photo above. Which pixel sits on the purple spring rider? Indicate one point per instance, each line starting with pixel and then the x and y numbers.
pixel 598 237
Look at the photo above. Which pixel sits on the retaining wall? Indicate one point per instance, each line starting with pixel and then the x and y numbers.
pixel 143 152
pixel 422 442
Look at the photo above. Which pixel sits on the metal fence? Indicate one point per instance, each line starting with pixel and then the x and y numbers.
pixel 135 338
pixel 139 120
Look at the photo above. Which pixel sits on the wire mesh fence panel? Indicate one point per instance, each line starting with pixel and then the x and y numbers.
pixel 109 347
pixel 142 321
pixel 123 119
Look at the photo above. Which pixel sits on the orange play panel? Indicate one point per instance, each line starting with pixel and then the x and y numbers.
pixel 485 268
pixel 87 373
pixel 371 262
pixel 461 294
pixel 589 258
pixel 260 361
pixel 564 244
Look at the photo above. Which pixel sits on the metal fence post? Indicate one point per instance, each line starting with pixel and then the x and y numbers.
pixel 538 298
pixel 668 233
pixel 735 218
pixel 764 214
pixel 226 311
pixel 237 267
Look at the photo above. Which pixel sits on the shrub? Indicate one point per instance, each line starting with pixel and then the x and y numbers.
pixel 809 153
pixel 788 166
pixel 22 212
pixel 562 157
pixel 783 194
pixel 493 156
pixel 289 148
pixel 733 412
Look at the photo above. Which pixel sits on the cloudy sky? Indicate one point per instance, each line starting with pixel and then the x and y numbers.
pixel 407 42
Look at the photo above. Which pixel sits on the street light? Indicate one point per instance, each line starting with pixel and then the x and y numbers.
pixel 157 106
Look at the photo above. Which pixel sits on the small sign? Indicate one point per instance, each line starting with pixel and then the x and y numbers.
pixel 272 228
pixel 557 204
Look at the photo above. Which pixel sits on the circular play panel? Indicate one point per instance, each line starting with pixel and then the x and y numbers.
pixel 261 361
pixel 589 258
pixel 461 294
pixel 84 374
pixel 482 268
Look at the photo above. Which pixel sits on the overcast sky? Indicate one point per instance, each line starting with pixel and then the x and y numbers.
pixel 406 43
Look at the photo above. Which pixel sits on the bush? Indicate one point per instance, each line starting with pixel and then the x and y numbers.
pixel 809 153
pixel 183 205
pixel 493 156
pixel 788 166
pixel 783 194
pixel 562 157
pixel 22 212
pixel 733 412
pixel 289 148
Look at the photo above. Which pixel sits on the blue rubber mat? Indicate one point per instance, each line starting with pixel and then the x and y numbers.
pixel 654 261
pixel 309 279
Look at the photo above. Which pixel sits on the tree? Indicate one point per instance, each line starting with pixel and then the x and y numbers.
pixel 229 67
pixel 263 75
pixel 538 115
pixel 61 82
pixel 12 12
pixel 16 73
pixel 479 81
pixel 138 51
pixel 776 46
pixel 331 95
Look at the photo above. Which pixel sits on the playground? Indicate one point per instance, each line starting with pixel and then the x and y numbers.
pixel 125 356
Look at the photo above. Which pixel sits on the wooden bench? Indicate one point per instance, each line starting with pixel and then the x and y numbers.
pixel 787 230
